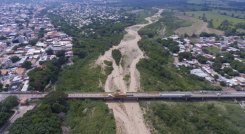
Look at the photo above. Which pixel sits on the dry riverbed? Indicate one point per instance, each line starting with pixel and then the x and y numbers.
pixel 126 78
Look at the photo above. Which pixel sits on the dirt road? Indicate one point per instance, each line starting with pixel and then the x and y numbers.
pixel 126 78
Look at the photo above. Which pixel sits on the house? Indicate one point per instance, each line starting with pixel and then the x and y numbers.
pixel 200 73
pixel 4 71
pixel 241 81
pixel 20 71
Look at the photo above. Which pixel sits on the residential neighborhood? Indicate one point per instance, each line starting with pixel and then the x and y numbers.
pixel 202 56
pixel 26 41
pixel 85 13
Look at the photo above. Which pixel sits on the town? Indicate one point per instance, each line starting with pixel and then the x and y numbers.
pixel 85 13
pixel 216 59
pixel 26 41
pixel 122 66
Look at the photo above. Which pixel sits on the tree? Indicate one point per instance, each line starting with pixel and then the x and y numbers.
pixel 216 76
pixel 40 77
pixel 204 18
pixel 1 87
pixel 60 53
pixel 116 54
pixel 9 103
pixel 80 53
pixel 2 38
pixel 57 100
pixel 222 83
pixel 186 35
pixel 185 55
pixel 41 33
pixel 239 66
pixel 228 58
pixel 201 59
pixel 210 23
pixel 204 34
pixel 171 45
pixel 33 42
pixel 5 108
pixel 50 51
pixel 27 65
pixel 225 25
pixel 14 59
pixel 41 120
pixel 217 66
pixel 229 71
pixel 55 97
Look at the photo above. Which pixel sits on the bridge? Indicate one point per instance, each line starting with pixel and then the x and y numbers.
pixel 135 96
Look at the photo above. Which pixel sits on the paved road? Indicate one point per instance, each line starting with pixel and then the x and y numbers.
pixel 138 95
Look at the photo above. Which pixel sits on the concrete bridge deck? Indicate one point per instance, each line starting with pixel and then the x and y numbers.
pixel 216 95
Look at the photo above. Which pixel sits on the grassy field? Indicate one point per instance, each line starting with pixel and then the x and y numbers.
pixel 216 17
pixel 197 27
pixel 165 26
pixel 195 117
pixel 237 14
pixel 141 14
pixel 210 2
pixel 81 76
pixel 212 50
pixel 88 117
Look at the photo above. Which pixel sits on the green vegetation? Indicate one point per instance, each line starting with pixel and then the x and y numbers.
pixel 40 120
pixel 14 59
pixel 126 78
pixel 50 51
pixel 5 108
pixel 209 2
pixel 204 34
pixel 195 117
pixel 201 59
pixel 217 18
pixel 165 26
pixel 54 111
pixel 33 42
pixel 41 33
pixel 212 50
pixel 171 45
pixel 158 72
pixel 171 22
pixel 44 118
pixel 1 87
pixel 141 14
pixel 185 55
pixel 83 75
pixel 239 66
pixel 48 73
pixel 232 13
pixel 89 117
pixel 230 24
pixel 228 71
pixel 27 65
pixel 116 54
pixel 108 68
